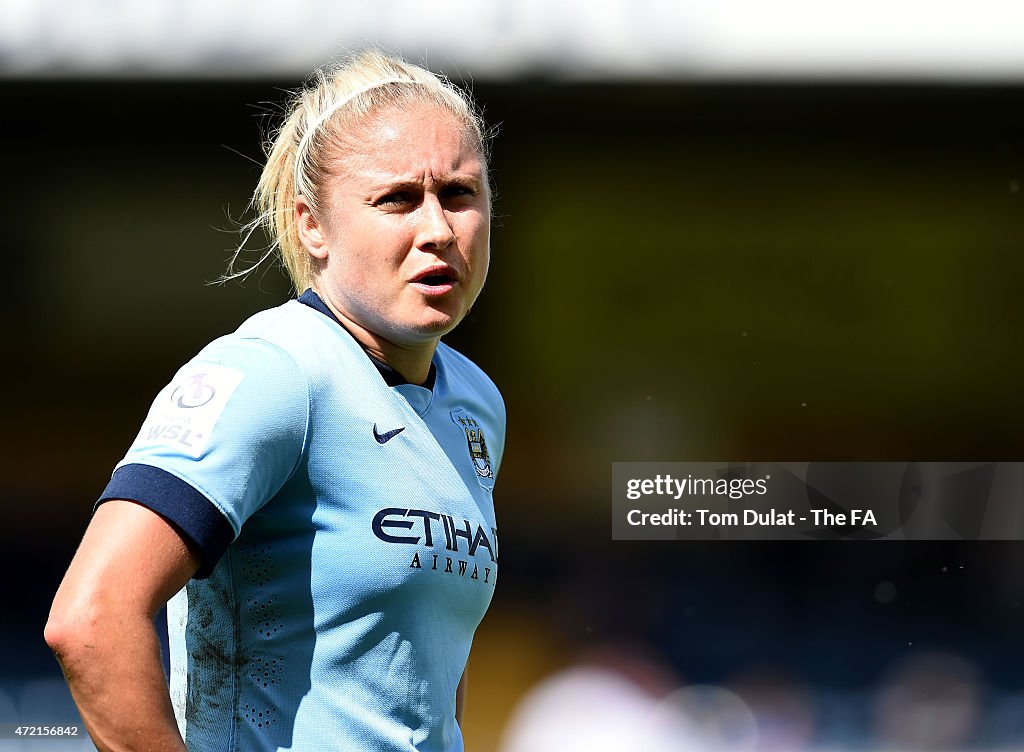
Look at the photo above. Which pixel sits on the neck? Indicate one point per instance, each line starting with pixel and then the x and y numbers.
pixel 411 361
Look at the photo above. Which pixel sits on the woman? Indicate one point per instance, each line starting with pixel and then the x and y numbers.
pixel 314 490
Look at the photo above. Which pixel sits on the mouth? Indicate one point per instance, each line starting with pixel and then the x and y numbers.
pixel 435 280
pixel 439 278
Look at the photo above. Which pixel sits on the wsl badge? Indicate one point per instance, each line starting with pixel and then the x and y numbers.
pixel 477 445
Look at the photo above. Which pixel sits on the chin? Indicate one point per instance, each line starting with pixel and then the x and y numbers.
pixel 437 322
pixel 439 328
pixel 425 329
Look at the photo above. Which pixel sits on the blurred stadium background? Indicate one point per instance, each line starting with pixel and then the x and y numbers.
pixel 743 231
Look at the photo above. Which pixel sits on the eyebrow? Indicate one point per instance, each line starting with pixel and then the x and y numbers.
pixel 379 181
pixel 402 182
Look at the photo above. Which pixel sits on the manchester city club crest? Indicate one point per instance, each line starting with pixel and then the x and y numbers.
pixel 476 443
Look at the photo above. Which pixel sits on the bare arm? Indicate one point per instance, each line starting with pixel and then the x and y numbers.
pixel 130 562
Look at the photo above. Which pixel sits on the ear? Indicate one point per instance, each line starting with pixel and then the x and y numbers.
pixel 311 232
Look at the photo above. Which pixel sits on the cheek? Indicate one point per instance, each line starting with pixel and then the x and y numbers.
pixel 363 252
pixel 480 259
pixel 476 234
pixel 483 259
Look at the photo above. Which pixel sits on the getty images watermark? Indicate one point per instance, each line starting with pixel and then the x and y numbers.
pixel 818 500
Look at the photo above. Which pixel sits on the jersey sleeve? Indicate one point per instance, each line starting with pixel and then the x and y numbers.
pixel 219 442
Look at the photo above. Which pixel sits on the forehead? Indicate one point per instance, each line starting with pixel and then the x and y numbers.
pixel 418 142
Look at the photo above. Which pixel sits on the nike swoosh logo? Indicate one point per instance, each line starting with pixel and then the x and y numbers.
pixel 384 438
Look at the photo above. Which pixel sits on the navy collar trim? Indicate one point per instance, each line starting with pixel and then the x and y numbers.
pixel 390 375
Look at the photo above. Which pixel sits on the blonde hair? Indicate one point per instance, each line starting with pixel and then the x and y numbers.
pixel 317 119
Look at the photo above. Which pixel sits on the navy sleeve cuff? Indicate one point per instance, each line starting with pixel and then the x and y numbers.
pixel 194 515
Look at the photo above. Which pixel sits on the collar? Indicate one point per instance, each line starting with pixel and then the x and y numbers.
pixel 390 375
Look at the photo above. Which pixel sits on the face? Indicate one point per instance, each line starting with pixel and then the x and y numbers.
pixel 403 234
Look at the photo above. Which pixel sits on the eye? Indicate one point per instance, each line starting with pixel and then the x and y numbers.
pixel 457 191
pixel 395 198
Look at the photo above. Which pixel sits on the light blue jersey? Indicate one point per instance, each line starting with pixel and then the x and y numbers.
pixel 365 547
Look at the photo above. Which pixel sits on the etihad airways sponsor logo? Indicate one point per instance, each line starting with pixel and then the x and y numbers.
pixel 421 523
pixel 422 526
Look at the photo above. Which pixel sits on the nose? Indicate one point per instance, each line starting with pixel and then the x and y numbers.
pixel 434 232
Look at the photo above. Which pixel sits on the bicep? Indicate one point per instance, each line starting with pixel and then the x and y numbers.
pixel 130 559
pixel 101 627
